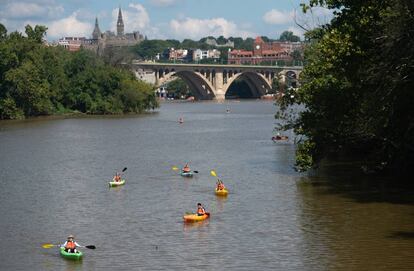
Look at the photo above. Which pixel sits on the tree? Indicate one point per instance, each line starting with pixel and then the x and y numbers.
pixel 289 36
pixel 3 32
pixel 178 88
pixel 148 49
pixel 357 86
pixel 221 40
pixel 37 33
pixel 39 80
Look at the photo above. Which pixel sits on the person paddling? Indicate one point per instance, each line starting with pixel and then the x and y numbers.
pixel 117 177
pixel 200 210
pixel 186 168
pixel 70 245
pixel 220 185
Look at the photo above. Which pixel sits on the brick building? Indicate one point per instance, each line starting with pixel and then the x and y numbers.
pixel 264 53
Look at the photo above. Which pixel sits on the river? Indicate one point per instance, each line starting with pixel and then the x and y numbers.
pixel 54 174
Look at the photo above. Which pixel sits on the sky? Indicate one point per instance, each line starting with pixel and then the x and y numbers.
pixel 162 19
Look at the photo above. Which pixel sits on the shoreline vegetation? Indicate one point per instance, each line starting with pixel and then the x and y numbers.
pixel 357 88
pixel 37 80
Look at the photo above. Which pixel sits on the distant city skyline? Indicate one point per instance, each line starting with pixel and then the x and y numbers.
pixel 161 19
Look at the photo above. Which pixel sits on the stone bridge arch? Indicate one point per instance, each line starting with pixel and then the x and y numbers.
pixel 200 86
pixel 290 77
pixel 258 84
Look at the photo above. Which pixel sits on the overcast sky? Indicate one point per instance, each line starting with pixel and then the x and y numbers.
pixel 177 19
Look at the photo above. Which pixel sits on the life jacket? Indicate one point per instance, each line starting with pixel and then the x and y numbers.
pixel 70 245
pixel 220 186
pixel 201 211
pixel 186 169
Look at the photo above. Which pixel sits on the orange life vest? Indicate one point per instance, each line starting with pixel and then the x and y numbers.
pixel 186 169
pixel 70 245
pixel 201 211
pixel 220 186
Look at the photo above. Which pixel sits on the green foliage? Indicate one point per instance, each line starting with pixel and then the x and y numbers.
pixel 357 85
pixel 289 36
pixel 178 88
pixel 148 49
pixel 37 33
pixel 304 157
pixel 9 109
pixel 40 80
pixel 3 32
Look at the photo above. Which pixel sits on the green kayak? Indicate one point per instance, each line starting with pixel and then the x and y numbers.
pixel 72 256
pixel 187 174
pixel 113 184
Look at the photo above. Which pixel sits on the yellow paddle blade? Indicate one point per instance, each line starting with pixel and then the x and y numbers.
pixel 48 245
pixel 174 168
pixel 213 173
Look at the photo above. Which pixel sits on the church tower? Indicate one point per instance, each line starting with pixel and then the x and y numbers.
pixel 96 34
pixel 120 24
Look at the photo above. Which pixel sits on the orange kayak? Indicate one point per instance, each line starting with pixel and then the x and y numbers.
pixel 195 218
pixel 222 192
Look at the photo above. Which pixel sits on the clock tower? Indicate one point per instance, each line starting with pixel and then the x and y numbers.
pixel 258 46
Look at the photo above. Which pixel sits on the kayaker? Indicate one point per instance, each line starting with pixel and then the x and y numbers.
pixel 186 168
pixel 220 185
pixel 200 209
pixel 117 177
pixel 70 245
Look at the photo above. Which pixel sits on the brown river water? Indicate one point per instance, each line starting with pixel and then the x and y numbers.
pixel 54 177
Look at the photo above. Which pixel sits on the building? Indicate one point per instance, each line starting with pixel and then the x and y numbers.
pixel 72 43
pixel 199 54
pixel 101 41
pixel 178 54
pixel 265 53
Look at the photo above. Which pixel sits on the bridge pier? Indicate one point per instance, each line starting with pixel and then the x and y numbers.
pixel 219 87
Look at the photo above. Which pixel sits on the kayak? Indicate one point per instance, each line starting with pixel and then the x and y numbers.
pixel 187 174
pixel 222 192
pixel 113 184
pixel 69 255
pixel 195 218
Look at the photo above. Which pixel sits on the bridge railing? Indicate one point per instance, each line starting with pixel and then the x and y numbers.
pixel 167 64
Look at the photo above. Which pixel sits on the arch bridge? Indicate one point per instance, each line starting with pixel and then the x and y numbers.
pixel 210 81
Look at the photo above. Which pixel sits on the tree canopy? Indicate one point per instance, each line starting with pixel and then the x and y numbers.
pixel 289 36
pixel 40 80
pixel 357 86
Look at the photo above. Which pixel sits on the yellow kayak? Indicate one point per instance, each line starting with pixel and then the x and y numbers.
pixel 222 192
pixel 195 218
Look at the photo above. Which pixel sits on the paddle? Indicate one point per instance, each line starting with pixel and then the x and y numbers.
pixel 52 245
pixel 192 213
pixel 121 172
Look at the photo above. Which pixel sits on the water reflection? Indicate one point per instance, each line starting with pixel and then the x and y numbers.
pixel 349 221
